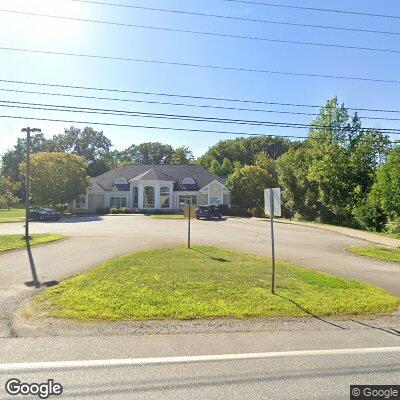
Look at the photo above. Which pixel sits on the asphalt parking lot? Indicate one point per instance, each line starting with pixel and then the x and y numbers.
pixel 94 239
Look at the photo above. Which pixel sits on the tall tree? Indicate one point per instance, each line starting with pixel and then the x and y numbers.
pixel 330 175
pixel 244 150
pixel 182 155
pixel 57 178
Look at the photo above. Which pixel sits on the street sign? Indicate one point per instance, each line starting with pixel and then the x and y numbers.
pixel 272 206
pixel 276 193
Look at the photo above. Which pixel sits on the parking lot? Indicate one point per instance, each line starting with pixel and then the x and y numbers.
pixel 94 239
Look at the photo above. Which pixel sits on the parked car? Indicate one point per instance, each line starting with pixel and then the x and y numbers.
pixel 44 214
pixel 209 212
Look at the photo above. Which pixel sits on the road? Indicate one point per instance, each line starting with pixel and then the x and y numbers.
pixel 279 373
pixel 289 376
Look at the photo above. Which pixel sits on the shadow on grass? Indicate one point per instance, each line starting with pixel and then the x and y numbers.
pixel 219 259
pixel 300 307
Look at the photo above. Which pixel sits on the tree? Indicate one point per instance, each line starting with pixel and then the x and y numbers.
pixel 244 150
pixel 57 178
pixel 226 167
pixel 11 159
pixel 8 191
pixel 182 155
pixel 92 145
pixel 263 160
pixel 154 153
pixel 247 186
pixel 329 176
pixel 385 193
pixel 215 167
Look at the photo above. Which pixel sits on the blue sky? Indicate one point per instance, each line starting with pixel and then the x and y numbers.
pixel 68 36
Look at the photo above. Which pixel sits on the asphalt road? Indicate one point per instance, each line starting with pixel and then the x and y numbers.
pixel 289 376
pixel 313 375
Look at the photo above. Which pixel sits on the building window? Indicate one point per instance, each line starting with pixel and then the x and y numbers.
pixel 215 200
pixel 164 197
pixel 117 202
pixel 81 202
pixel 188 199
pixel 149 197
pixel 135 197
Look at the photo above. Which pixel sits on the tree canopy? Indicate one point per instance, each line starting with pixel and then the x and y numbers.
pixel 57 178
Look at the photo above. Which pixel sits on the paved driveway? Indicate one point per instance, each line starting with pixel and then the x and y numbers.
pixel 95 239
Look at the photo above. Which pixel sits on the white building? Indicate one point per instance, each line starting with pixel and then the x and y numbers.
pixel 153 187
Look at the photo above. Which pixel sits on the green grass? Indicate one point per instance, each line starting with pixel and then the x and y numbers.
pixel 206 282
pixel 171 216
pixel 15 214
pixel 15 242
pixel 377 252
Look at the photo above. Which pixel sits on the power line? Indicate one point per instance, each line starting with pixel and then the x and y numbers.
pixel 194 118
pixel 150 127
pixel 212 34
pixel 103 3
pixel 176 95
pixel 328 10
pixel 183 104
pixel 202 66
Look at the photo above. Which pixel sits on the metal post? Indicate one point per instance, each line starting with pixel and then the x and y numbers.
pixel 190 212
pixel 28 131
pixel 271 192
pixel 27 238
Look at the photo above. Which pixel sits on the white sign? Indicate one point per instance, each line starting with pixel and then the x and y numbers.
pixel 276 193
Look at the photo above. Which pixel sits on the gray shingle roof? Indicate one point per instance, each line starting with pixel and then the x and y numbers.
pixel 176 173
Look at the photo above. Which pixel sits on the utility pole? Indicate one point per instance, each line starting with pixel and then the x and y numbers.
pixel 272 211
pixel 28 131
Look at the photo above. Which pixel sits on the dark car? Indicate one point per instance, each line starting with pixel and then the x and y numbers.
pixel 44 214
pixel 209 212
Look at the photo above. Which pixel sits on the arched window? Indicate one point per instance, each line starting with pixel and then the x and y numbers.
pixel 148 197
pixel 188 181
pixel 164 196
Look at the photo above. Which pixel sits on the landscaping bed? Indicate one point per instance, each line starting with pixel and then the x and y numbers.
pixel 206 282
pixel 15 242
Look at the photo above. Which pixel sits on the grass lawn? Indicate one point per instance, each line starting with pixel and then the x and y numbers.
pixel 15 214
pixel 14 242
pixel 378 252
pixel 206 282
pixel 166 216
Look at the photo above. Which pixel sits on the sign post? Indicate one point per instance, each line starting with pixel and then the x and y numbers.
pixel 272 203
pixel 188 212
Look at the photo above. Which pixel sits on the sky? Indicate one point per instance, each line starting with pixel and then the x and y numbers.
pixel 39 33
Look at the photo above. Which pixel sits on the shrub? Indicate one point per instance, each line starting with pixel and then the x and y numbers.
pixel 114 211
pixel 125 210
pixel 62 208
pixel 257 212
pixel 102 210
pixel 237 212
pixel 393 227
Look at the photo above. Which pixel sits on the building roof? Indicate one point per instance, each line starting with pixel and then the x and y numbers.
pixel 175 173
pixel 152 175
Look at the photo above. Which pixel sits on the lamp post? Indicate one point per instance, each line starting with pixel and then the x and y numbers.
pixel 28 131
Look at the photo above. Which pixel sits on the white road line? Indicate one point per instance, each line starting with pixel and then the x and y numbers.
pixel 49 365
